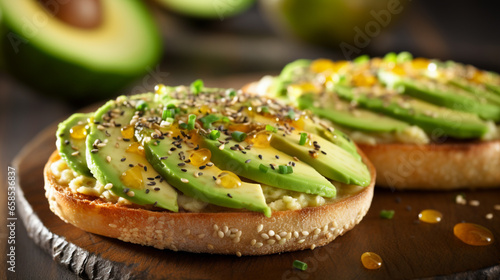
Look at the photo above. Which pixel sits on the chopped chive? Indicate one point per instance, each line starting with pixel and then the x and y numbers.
pixel 263 168
pixel 171 106
pixel 390 57
pixel 141 105
pixel 183 125
pixel 289 169
pixel 361 59
pixel 264 109
pixel 214 134
pixel 386 214
pixel 225 119
pixel 208 120
pixel 303 138
pixel 299 265
pixel 239 136
pixel 231 93
pixel 271 128
pixel 404 57
pixel 191 121
pixel 197 86
pixel 168 113
pixel 291 114
pixel 285 169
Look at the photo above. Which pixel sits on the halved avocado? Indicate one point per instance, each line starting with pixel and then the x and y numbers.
pixel 76 63
pixel 207 9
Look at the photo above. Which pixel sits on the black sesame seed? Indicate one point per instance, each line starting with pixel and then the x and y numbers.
pixel 158 177
pixel 126 139
pixel 197 147
pixel 200 173
pixel 126 190
pixel 202 167
pixel 156 189
pixel 146 168
pixel 94 151
pixel 272 166
pixel 214 178
pixel 184 170
pixel 151 183
pixel 66 142
pixel 181 164
pixel 173 149
pixel 163 158
pixel 147 190
pixel 260 156
pixel 323 152
pixel 277 157
pixel 229 195
pixel 247 161
pixel 244 152
pixel 123 159
pixel 131 165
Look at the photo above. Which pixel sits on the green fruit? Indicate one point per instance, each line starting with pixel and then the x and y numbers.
pixel 75 63
pixel 216 9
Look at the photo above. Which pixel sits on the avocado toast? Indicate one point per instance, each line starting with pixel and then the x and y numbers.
pixel 207 170
pixel 425 124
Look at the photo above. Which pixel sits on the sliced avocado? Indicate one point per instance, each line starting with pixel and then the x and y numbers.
pixel 73 149
pixel 111 156
pixel 171 161
pixel 327 158
pixel 429 117
pixel 246 163
pixel 289 73
pixel 340 112
pixel 206 9
pixel 452 98
pixel 75 63
pixel 475 89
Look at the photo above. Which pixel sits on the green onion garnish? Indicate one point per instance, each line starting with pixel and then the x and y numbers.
pixel 264 109
pixel 225 119
pixel 208 120
pixel 361 59
pixel 168 113
pixel 191 121
pixel 390 57
pixel 404 57
pixel 141 105
pixel 271 128
pixel 231 92
pixel 171 106
pixel 239 136
pixel 214 134
pixel 299 265
pixel 285 169
pixel 263 168
pixel 183 125
pixel 197 86
pixel 291 114
pixel 303 138
pixel 386 214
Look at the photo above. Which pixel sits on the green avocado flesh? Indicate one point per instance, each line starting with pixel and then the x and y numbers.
pixel 391 95
pixel 73 150
pixel 214 145
pixel 74 63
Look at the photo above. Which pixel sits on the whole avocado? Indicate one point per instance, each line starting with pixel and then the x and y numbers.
pixel 73 63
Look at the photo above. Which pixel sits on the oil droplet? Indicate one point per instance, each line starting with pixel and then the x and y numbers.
pixel 132 178
pixel 299 123
pixel 240 127
pixel 262 139
pixel 430 216
pixel 322 65
pixel 78 131
pixel 371 260
pixel 420 63
pixel 205 109
pixel 229 180
pixel 128 132
pixel 473 234
pixel 200 157
pixel 364 80
pixel 135 148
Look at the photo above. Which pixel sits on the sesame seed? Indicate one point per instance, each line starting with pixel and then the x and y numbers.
pixel 108 158
pixel 301 241
pixel 296 234
pixel 200 236
pixel 163 158
pixel 277 157
pixel 210 164
pixel 323 152
pixel 202 167
pixel 181 164
pixel 238 254
pixel 229 195
pixel 94 151
pixel 156 189
pixel 221 147
pixel 216 227
pixel 317 231
pixel 130 193
pixel 210 246
pixel 283 234
pixel 305 233
pixel 147 191
pixel 271 241
pixel 313 246
pixel 66 142
pixel 108 186
pixel 151 183
pixel 247 161
pixel 277 237
pixel 265 236
pixel 220 234
pixel 282 241
pixel 489 216
pixel 258 244
pixel 146 168
pixel 497 207
pixel 474 203
pixel 184 180
pixel 271 232
pixel 253 242
pixel 260 227
pixel 187 232
pixel 125 190
pixel 131 165
pixel 123 159
pixel 260 156
pixel 112 225
pixel 184 170
pixel 75 153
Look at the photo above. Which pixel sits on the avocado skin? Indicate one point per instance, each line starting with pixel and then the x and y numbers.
pixel 335 163
pixel 310 182
pixel 248 196
pixel 77 163
pixel 468 126
pixel 66 80
pixel 107 173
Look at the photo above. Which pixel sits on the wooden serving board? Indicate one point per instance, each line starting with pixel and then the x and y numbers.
pixel 409 249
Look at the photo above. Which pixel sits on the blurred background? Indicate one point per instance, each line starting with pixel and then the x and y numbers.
pixel 58 56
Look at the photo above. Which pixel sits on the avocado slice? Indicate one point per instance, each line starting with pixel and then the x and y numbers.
pixel 72 148
pixel 340 112
pixel 247 162
pixel 429 117
pixel 327 158
pixel 74 63
pixel 113 158
pixel 201 183
pixel 475 89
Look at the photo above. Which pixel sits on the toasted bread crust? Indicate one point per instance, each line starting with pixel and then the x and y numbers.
pixel 240 233
pixel 436 166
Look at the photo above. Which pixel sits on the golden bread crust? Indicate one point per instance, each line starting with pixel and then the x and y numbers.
pixel 240 233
